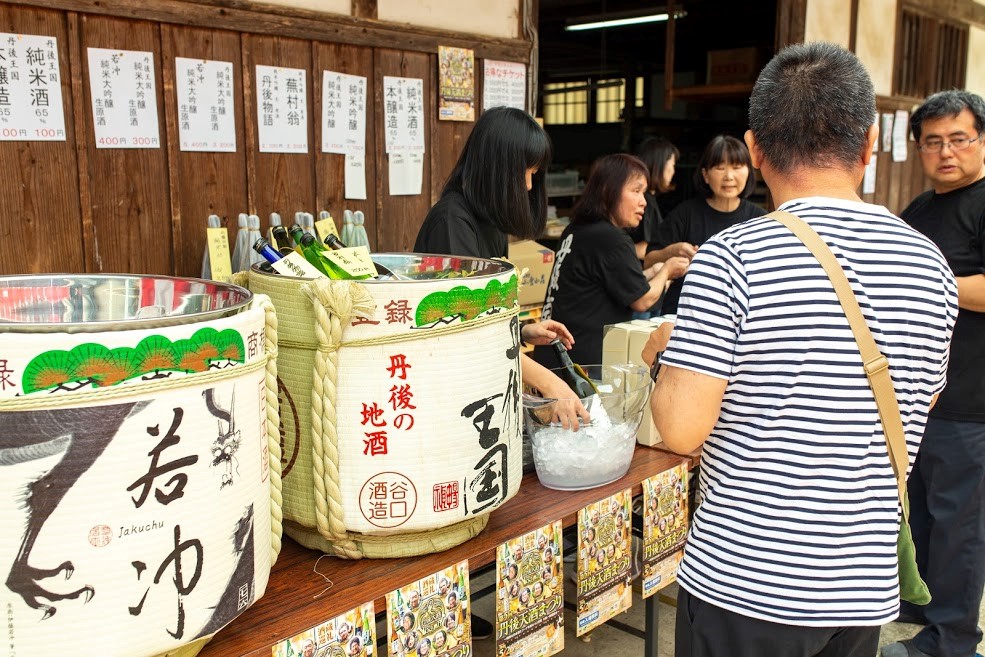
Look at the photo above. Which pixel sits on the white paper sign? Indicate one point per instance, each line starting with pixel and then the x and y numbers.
pixel 206 118
pixel 900 124
pixel 355 175
pixel 124 98
pixel 869 178
pixel 504 84
pixel 403 114
pixel 886 132
pixel 343 113
pixel 406 173
pixel 282 109
pixel 30 89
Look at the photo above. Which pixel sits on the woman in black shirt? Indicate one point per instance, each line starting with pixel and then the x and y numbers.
pixel 660 157
pixel 597 278
pixel 725 179
pixel 497 189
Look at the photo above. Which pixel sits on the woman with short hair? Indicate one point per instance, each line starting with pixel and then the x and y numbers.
pixel 725 179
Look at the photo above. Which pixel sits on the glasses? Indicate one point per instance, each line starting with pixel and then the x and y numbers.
pixel 957 144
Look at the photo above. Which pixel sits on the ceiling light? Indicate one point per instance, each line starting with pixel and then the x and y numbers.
pixel 604 23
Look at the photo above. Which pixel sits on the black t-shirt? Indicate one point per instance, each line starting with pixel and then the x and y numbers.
pixel 646 231
pixel 955 221
pixel 452 228
pixel 596 276
pixel 695 222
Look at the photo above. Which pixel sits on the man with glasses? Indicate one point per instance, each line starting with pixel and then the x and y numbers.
pixel 947 483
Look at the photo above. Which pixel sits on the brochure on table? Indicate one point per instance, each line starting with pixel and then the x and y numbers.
pixel 431 616
pixel 604 560
pixel 530 594
pixel 664 527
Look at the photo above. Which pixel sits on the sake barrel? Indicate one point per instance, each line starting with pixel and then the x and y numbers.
pixel 135 462
pixel 399 403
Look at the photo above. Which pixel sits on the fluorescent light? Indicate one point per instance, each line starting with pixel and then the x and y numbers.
pixel 620 22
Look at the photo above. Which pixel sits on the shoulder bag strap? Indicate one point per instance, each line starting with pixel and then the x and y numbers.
pixel 876 365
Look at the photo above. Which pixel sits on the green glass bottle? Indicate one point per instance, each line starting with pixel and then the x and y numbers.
pixel 572 374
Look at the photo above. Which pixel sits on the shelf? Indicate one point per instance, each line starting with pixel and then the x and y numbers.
pixel 298 597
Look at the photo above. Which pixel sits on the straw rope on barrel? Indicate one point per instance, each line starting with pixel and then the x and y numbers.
pixel 316 328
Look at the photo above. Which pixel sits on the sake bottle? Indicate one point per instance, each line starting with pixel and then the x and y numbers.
pixel 268 252
pixel 283 239
pixel 573 374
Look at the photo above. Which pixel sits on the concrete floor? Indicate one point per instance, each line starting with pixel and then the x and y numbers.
pixel 607 641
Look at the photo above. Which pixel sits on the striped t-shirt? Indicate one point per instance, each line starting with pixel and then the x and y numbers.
pixel 799 516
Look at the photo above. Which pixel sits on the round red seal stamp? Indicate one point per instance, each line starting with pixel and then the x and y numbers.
pixel 100 536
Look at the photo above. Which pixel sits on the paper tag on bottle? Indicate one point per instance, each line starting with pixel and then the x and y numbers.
pixel 353 260
pixel 219 261
pixel 326 227
pixel 294 264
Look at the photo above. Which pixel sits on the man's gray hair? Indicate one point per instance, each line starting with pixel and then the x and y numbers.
pixel 950 104
pixel 812 106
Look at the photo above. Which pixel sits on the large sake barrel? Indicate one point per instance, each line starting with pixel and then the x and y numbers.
pixel 399 403
pixel 136 417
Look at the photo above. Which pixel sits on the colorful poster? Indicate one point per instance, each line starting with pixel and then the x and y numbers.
pixel 456 86
pixel 30 89
pixel 604 560
pixel 353 634
pixel 431 617
pixel 664 527
pixel 530 594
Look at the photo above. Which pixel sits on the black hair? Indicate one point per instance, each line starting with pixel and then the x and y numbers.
pixel 655 152
pixel 603 189
pixel 812 105
pixel 504 143
pixel 948 103
pixel 724 149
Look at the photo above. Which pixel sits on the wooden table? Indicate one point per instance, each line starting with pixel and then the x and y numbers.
pixel 290 607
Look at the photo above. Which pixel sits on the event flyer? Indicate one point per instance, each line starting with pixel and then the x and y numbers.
pixel 530 594
pixel 604 560
pixel 664 527
pixel 431 618
pixel 353 634
pixel 456 84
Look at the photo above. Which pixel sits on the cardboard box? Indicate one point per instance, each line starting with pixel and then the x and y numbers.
pixel 623 343
pixel 538 260
pixel 734 66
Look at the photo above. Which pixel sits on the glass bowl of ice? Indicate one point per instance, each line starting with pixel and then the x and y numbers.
pixel 598 452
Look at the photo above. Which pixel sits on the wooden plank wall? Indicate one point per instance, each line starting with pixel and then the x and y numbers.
pixel 897 183
pixel 70 207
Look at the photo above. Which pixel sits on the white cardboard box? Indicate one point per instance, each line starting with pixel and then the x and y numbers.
pixel 623 343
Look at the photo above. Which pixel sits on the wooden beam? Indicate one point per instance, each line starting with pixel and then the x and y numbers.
pixel 962 11
pixel 275 20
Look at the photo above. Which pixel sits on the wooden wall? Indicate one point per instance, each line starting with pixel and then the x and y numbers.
pixel 70 207
pixel 897 183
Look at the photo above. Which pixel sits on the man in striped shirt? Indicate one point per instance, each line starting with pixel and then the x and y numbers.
pixel 793 549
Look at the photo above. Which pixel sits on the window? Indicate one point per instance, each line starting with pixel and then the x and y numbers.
pixel 931 55
pixel 565 107
pixel 606 101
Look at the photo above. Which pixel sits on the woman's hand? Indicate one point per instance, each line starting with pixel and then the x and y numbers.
pixel 568 409
pixel 676 267
pixel 681 250
pixel 541 333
